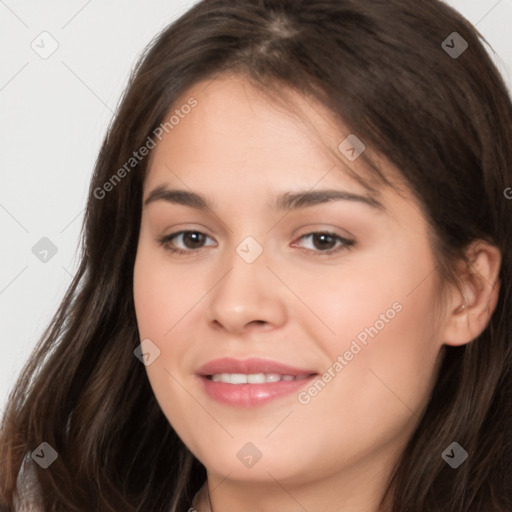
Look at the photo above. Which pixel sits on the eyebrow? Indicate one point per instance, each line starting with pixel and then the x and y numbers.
pixel 287 201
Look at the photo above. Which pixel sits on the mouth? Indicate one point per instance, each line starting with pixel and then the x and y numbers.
pixel 251 382
pixel 254 378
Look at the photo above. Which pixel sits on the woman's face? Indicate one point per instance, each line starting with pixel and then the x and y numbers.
pixel 340 294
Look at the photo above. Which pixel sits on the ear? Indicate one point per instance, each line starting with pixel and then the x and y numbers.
pixel 472 303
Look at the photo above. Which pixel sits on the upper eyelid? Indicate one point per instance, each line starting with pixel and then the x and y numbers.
pixel 338 237
pixel 314 232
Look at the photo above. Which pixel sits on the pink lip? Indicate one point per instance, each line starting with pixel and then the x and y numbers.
pixel 253 365
pixel 251 395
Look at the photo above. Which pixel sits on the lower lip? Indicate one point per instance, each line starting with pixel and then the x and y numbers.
pixel 251 395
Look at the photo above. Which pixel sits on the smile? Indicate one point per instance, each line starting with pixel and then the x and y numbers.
pixel 253 378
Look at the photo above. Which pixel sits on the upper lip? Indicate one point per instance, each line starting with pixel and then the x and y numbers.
pixel 249 366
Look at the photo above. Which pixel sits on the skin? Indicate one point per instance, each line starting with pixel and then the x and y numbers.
pixel 293 304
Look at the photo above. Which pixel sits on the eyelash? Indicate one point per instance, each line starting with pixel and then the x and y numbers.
pixel 345 243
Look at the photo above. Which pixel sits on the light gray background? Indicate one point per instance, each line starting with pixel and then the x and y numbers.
pixel 54 113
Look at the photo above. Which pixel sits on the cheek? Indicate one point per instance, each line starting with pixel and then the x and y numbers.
pixel 160 301
pixel 379 336
pixel 166 304
pixel 364 293
pixel 163 293
pixel 374 397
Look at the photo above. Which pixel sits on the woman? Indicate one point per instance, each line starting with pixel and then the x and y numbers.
pixel 295 287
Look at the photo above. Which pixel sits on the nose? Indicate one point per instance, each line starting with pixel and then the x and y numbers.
pixel 248 297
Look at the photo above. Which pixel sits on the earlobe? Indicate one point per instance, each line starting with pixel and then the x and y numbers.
pixel 474 301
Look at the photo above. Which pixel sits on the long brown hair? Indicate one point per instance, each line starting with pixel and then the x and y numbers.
pixel 379 66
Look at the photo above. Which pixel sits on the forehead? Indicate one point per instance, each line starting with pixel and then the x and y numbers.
pixel 237 122
pixel 236 136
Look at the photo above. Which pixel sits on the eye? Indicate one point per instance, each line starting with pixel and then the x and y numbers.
pixel 191 240
pixel 323 243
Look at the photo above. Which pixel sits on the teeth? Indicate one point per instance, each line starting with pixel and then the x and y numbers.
pixel 237 378
pixel 256 378
pixel 252 378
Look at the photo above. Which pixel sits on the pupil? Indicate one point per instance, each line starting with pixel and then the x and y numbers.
pixel 195 238
pixel 324 238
